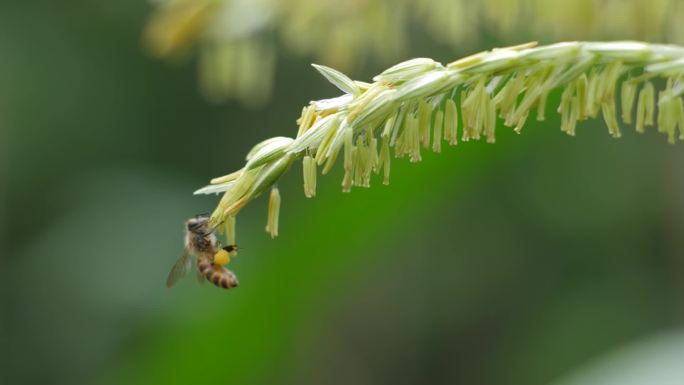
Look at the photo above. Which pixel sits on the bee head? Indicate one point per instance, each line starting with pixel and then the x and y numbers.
pixel 198 223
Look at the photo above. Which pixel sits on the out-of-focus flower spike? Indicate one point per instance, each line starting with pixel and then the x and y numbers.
pixel 176 26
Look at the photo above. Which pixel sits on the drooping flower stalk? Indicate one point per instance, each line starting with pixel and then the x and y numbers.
pixel 420 103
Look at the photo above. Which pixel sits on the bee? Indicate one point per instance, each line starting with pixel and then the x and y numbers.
pixel 201 242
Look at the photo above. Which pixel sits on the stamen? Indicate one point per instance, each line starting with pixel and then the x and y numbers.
pixel 273 213
pixel 437 134
pixel 645 107
pixel 309 168
pixel 451 122
pixel 627 96
pixel 229 230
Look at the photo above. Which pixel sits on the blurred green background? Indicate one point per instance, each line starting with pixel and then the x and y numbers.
pixel 524 262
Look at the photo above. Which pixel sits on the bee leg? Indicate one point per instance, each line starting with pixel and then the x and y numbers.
pixel 221 258
pixel 230 248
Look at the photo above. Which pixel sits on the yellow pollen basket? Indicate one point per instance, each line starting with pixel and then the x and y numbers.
pixel 221 258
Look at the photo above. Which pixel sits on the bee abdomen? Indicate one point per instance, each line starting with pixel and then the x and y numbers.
pixel 217 274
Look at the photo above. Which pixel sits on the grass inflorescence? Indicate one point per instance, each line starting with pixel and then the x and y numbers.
pixel 421 104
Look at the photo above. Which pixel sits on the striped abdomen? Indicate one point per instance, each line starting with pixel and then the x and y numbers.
pixel 216 274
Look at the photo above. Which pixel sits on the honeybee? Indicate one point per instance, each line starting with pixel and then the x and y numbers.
pixel 201 242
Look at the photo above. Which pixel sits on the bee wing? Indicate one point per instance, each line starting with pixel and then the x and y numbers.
pixel 179 270
pixel 200 277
